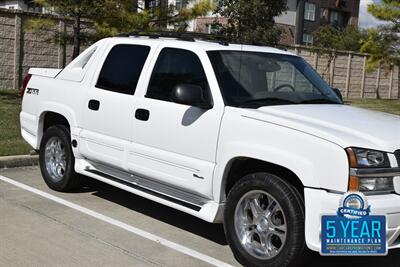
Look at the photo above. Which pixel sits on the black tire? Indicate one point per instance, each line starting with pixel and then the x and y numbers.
pixel 69 180
pixel 293 251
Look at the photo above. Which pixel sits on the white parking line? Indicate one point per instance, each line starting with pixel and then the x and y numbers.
pixel 127 227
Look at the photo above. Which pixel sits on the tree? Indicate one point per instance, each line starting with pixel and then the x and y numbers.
pixel 383 47
pixel 109 17
pixel 383 43
pixel 76 11
pixel 328 39
pixel 349 39
pixel 251 21
pixel 387 10
pixel 152 18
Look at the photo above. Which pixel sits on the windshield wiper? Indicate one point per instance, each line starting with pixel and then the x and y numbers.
pixel 265 102
pixel 319 101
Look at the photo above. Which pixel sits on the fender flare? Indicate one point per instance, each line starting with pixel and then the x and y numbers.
pixel 54 107
pixel 301 167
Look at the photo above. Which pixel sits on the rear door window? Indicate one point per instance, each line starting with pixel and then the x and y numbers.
pixel 122 68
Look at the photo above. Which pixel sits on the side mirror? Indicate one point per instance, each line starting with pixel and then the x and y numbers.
pixel 338 93
pixel 190 94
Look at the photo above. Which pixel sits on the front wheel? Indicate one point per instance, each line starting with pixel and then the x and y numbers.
pixel 57 160
pixel 264 221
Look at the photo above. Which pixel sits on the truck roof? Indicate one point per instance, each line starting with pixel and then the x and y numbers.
pixel 203 44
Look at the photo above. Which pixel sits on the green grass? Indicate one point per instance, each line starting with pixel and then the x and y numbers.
pixel 384 105
pixel 11 142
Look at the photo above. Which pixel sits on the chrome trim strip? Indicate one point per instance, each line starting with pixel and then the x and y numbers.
pixel 149 184
pixel 375 172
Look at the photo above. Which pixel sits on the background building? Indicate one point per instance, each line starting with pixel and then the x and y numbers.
pixel 27 5
pixel 302 18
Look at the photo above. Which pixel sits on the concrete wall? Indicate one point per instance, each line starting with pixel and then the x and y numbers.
pixel 347 71
pixel 21 50
pixel 7 47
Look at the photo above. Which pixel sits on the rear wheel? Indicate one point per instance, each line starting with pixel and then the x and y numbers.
pixel 57 160
pixel 264 222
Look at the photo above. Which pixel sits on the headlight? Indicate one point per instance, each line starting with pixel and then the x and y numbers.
pixel 367 158
pixel 361 158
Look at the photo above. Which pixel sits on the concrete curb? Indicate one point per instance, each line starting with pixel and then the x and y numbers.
pixel 18 161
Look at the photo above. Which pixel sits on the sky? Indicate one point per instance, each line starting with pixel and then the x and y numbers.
pixel 366 19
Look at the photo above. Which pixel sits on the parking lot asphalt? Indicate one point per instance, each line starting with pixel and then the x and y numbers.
pixel 112 227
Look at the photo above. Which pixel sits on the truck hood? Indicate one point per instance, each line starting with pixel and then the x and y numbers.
pixel 344 125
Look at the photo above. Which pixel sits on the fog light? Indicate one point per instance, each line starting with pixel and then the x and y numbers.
pixel 376 185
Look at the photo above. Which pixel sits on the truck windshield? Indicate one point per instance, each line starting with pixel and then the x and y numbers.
pixel 256 79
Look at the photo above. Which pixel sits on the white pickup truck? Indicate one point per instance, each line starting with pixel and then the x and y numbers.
pixel 245 135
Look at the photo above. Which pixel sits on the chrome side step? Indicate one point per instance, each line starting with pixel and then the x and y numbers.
pixel 149 186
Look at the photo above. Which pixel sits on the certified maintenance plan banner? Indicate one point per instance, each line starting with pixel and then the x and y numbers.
pixel 353 231
pixel 365 236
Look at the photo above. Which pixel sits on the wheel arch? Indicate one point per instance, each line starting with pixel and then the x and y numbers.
pixel 238 167
pixel 51 116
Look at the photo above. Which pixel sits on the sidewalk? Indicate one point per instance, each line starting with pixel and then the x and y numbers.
pixel 18 161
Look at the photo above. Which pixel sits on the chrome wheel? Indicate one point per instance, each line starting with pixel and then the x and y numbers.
pixel 260 224
pixel 55 158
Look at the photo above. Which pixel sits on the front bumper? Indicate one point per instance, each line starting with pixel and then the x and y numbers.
pixel 320 202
